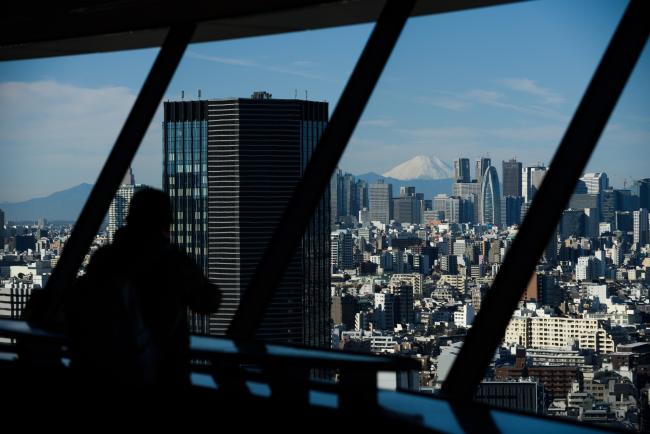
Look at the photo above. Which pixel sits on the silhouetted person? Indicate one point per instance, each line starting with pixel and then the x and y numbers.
pixel 128 315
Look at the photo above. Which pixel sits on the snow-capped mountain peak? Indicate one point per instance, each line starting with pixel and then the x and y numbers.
pixel 421 167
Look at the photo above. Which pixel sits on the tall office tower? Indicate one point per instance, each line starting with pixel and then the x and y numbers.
pixel 341 242
pixel 623 221
pixel 406 191
pixel 420 207
pixel 572 223
pixel 452 209
pixel 2 230
pixel 608 204
pixel 584 200
pixel 482 165
pixel 119 208
pixel 591 222
pixel 336 197
pixel 626 201
pixel 440 202
pixel 465 189
pixel 641 190
pixel 531 180
pixel 380 198
pixel 511 171
pixel 595 182
pixel 384 314
pixel 350 206
pixel 403 304
pixel 230 167
pixel 459 209
pixel 461 170
pixel 640 226
pixel 511 210
pixel 490 203
pixel 362 194
pixel 406 209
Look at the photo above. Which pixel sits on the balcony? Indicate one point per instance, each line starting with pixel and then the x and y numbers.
pixel 266 386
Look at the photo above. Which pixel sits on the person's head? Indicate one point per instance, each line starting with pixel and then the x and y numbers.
pixel 150 211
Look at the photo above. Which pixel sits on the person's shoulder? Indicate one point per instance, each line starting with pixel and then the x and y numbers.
pixel 103 256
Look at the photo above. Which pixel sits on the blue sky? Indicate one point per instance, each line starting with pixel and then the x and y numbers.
pixel 502 81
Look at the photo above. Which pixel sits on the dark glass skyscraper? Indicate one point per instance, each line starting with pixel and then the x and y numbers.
pixel 230 168
pixel 2 229
pixel 511 210
pixel 641 189
pixel 511 178
pixel 482 165
pixel 461 170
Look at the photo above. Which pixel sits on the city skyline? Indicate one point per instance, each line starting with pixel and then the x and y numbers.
pixel 483 101
pixel 422 263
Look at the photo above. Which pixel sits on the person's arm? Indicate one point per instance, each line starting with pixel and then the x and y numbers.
pixel 203 297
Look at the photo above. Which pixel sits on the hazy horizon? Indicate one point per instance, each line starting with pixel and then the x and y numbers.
pixel 501 81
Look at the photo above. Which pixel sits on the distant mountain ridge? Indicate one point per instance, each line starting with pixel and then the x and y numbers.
pixel 67 204
pixel 430 187
pixel 61 205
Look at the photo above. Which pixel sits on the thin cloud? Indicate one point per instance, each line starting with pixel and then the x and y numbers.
pixel 303 63
pixel 461 102
pixel 529 134
pixel 247 63
pixel 447 102
pixel 485 96
pixel 530 87
pixel 382 123
pixel 500 100
pixel 63 134
pixel 223 60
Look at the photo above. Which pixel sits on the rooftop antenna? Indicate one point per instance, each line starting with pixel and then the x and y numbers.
pixel 305 94
pixel 295 94
pixel 199 93
pixel 182 94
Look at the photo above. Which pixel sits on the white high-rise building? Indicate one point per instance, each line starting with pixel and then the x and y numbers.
pixel 595 182
pixel 464 316
pixel 119 208
pixel 384 315
pixel 640 226
pixel 531 180
pixel 341 250
pixel 584 268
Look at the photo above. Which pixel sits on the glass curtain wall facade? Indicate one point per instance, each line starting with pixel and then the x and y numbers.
pixel 250 155
pixel 511 171
pixel 491 197
pixel 185 172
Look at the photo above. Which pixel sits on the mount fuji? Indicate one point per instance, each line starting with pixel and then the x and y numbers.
pixel 421 167
pixel 429 175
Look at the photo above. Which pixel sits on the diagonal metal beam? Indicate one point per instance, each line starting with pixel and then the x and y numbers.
pixel 116 165
pixel 569 161
pixel 320 168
